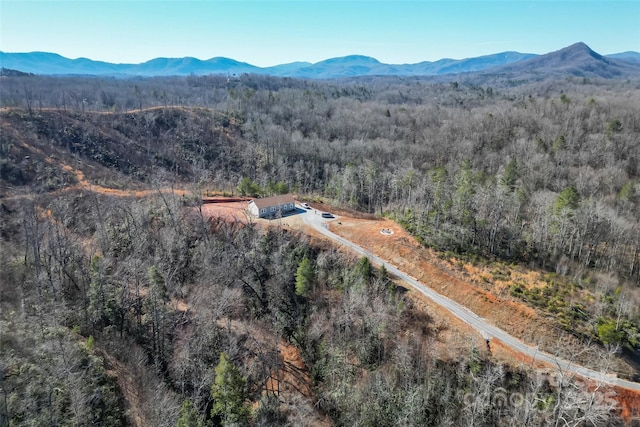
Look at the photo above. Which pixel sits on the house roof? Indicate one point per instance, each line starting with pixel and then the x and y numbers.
pixel 267 202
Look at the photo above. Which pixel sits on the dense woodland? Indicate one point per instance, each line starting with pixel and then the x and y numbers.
pixel 545 174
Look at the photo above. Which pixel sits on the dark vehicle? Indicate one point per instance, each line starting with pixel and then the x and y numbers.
pixel 327 215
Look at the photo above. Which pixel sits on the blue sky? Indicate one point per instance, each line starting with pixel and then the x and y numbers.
pixel 270 32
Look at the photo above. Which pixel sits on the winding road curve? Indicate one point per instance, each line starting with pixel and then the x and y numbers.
pixel 487 330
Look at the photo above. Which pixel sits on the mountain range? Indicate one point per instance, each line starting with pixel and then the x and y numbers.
pixel 577 59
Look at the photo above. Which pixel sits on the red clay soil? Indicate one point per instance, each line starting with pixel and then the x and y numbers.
pixel 629 402
pixel 231 211
pixel 401 250
pixel 294 376
pixel 131 391
pixel 292 382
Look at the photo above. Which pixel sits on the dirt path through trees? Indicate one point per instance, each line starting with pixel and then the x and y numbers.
pixel 82 183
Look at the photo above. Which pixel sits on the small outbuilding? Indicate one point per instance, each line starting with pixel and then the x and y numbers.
pixel 269 207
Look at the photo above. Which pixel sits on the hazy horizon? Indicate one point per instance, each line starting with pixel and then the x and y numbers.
pixel 266 33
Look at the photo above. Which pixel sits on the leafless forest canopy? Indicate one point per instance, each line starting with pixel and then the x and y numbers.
pixel 544 174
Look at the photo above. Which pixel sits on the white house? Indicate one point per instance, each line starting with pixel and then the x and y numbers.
pixel 272 206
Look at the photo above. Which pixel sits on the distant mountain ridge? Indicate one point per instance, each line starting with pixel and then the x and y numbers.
pixel 572 60
pixel 576 60
pixel 626 56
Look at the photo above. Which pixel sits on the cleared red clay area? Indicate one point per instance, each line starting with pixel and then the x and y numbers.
pixel 229 210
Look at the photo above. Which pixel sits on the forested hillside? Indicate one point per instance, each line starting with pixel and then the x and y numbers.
pixel 123 308
pixel 539 173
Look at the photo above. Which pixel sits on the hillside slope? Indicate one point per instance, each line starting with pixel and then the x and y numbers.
pixel 162 302
pixel 124 149
pixel 575 60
